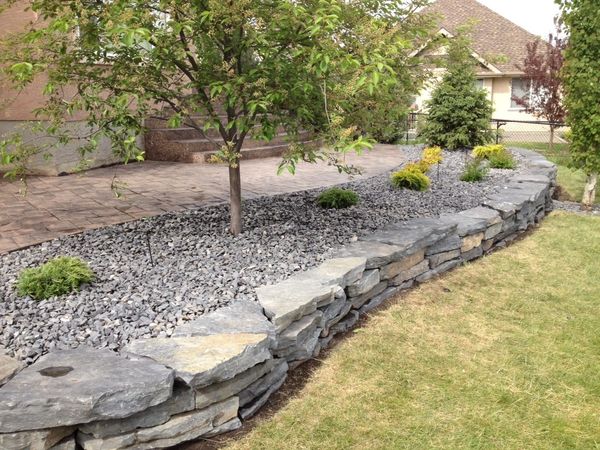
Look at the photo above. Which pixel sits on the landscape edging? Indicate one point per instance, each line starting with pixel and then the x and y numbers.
pixel 225 365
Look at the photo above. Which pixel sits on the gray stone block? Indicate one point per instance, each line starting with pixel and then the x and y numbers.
pixel 357 302
pixel 292 299
pixel 377 254
pixel 68 443
pixel 413 235
pixel 470 242
pixel 343 313
pixel 491 216
pixel 411 273
pixel 452 242
pixel 332 311
pixel 449 265
pixel 474 253
pixel 346 323
pixel 203 360
pixel 337 271
pixel 221 391
pixel 262 385
pixel 298 331
pixel 79 386
pixel 368 281
pixel 8 368
pixel 227 427
pixel 440 258
pixel 252 408
pixel 180 428
pixel 393 269
pixel 466 225
pixel 302 349
pixel 182 400
pixel 378 300
pixel 35 440
pixel 493 231
pixel 243 316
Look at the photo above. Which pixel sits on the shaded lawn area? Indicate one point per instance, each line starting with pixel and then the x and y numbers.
pixel 502 353
pixel 572 181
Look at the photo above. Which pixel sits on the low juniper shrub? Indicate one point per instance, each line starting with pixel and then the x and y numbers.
pixel 410 177
pixel 59 276
pixel 336 198
pixel 486 151
pixel 474 171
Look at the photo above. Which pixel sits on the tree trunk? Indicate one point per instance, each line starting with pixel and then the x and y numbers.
pixel 235 199
pixel 589 192
pixel 551 140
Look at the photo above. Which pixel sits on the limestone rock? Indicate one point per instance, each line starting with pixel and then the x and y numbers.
pixel 346 323
pixel 180 428
pixel 227 427
pixel 298 330
pixel 414 234
pixel 369 280
pixel 490 215
pixel 292 299
pixel 440 258
pixel 79 386
pixel 411 273
pixel 203 360
pixel 450 243
pixel 221 391
pixel 470 242
pixel 357 302
pixel 68 443
pixel 261 385
pixel 449 265
pixel 377 254
pixel 34 440
pixel 393 269
pixel 182 400
pixel 465 225
pixel 337 271
pixel 8 368
pixel 383 296
pixel 244 316
pixel 474 253
pixel 493 231
pixel 252 408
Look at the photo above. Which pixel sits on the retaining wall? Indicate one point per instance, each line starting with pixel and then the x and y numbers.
pixel 220 369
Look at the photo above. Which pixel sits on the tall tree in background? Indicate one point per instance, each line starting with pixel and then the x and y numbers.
pixel 459 112
pixel 581 74
pixel 245 67
pixel 542 67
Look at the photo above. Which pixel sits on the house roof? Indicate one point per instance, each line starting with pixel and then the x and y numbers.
pixel 493 35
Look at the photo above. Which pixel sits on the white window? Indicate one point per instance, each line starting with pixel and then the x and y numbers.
pixel 479 83
pixel 520 89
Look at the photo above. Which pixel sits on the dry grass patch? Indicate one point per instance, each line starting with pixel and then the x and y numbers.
pixel 502 353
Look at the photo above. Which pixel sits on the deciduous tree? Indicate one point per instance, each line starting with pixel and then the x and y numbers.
pixel 581 75
pixel 242 67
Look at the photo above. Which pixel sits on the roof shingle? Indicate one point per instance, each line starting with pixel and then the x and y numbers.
pixel 493 35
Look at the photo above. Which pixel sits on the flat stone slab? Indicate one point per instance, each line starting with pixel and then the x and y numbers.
pixel 377 254
pixel 490 215
pixel 369 280
pixel 413 235
pixel 298 330
pixel 244 316
pixel 394 268
pixel 35 440
pixel 336 271
pixel 181 428
pixel 182 400
pixel 203 360
pixel 8 368
pixel 292 299
pixel 260 386
pixel 79 386
pixel 465 225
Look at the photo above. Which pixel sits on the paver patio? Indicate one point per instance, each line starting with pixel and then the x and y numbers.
pixel 49 207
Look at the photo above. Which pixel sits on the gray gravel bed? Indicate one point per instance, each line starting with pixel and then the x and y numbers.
pixel 576 208
pixel 199 266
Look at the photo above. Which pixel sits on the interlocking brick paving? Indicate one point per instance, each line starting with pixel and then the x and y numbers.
pixel 48 207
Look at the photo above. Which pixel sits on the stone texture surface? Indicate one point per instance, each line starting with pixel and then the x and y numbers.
pixel 336 271
pixel 470 242
pixel 34 440
pixel 203 360
pixel 377 254
pixel 221 391
pixel 445 245
pixel 8 368
pixel 369 280
pixel 180 428
pixel 182 400
pixel 78 386
pixel 436 260
pixel 465 224
pixel 413 272
pixel 261 385
pixel 68 443
pixel 413 235
pixel 290 300
pixel 243 316
pixel 393 269
pixel 357 302
pixel 298 330
pixel 252 408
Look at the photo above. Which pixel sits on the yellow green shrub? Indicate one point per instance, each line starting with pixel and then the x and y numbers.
pixel 411 177
pixel 485 151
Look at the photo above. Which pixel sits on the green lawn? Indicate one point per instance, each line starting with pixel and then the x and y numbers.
pixel 503 353
pixel 572 181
